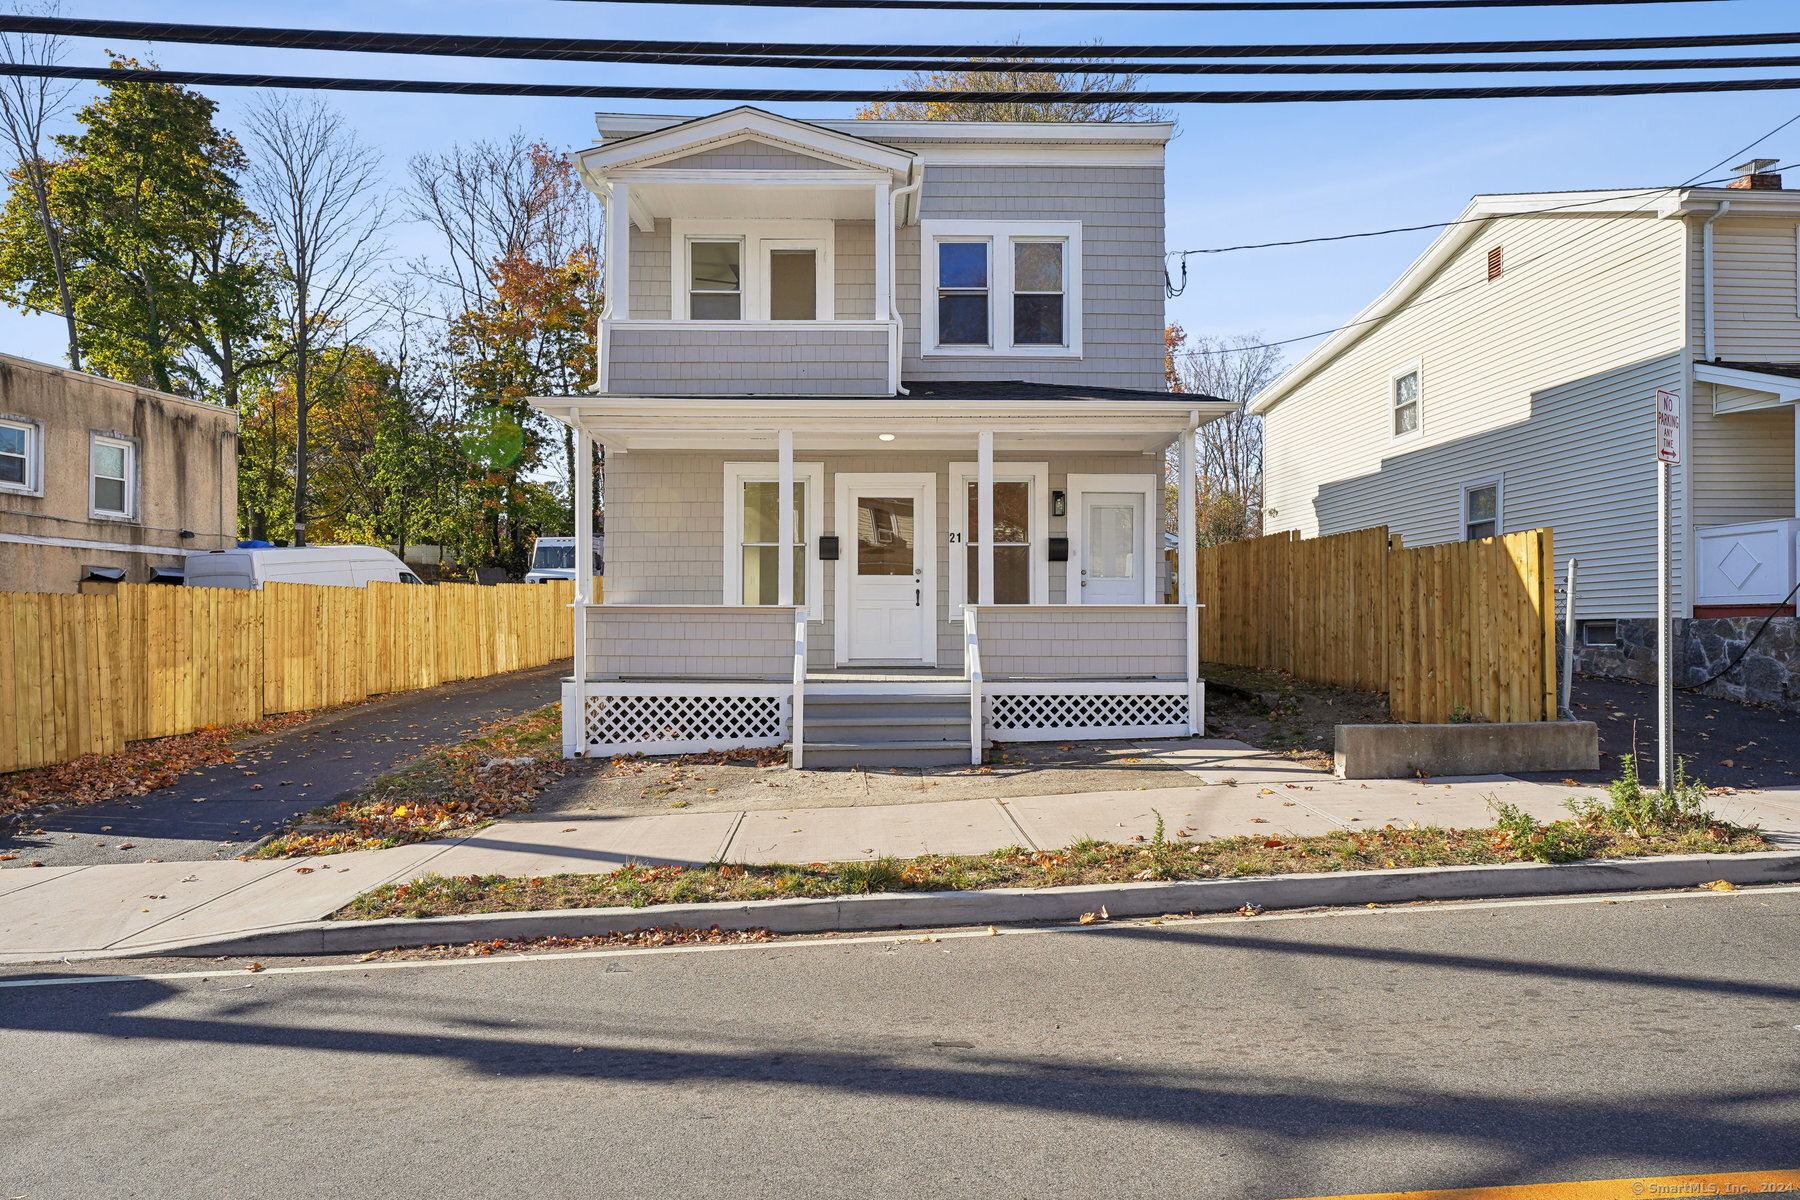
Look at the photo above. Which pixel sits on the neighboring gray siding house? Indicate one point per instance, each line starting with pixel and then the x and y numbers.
pixel 1508 381
pixel 103 482
pixel 927 359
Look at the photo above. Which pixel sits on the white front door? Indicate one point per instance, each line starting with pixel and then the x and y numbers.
pixel 888 606
pixel 1112 566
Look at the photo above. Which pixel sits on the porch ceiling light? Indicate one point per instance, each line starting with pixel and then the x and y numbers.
pixel 886 437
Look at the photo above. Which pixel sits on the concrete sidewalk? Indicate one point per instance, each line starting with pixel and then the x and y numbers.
pixel 1237 791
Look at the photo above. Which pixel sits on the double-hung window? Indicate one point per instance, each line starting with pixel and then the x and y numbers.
pixel 1481 510
pixel 21 455
pixel 1021 518
pixel 753 270
pixel 1002 288
pixel 112 477
pixel 716 279
pixel 1404 401
pixel 753 543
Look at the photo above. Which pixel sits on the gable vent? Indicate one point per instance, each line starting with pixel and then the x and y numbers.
pixel 1496 263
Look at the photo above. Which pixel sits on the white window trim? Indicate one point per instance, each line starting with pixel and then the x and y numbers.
pixel 1000 236
pixel 813 476
pixel 131 446
pixel 1498 483
pixel 752 262
pixel 34 455
pixel 1151 488
pixel 962 474
pixel 1416 366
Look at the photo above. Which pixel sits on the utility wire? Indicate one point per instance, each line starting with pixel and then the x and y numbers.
pixel 578 91
pixel 1167 5
pixel 606 49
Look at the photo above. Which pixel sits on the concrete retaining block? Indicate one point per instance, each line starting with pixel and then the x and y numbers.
pixel 918 910
pixel 1476 748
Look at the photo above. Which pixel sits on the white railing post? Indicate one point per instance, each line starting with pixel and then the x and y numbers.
pixel 972 668
pixel 1196 718
pixel 797 728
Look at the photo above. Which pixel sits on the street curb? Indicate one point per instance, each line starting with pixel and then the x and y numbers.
pixel 916 910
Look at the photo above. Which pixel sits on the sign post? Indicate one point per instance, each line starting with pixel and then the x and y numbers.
pixel 1668 454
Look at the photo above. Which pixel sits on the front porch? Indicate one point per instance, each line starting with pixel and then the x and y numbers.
pixel 959 571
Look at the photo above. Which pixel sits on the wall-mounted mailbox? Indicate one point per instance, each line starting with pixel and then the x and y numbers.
pixel 1059 549
pixel 828 547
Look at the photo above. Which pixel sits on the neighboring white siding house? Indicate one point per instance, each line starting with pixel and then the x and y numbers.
pixel 1540 328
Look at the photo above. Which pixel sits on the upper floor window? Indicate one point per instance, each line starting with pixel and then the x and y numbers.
pixel 112 473
pixel 1405 401
pixel 21 455
pixel 1481 510
pixel 1002 287
pixel 716 280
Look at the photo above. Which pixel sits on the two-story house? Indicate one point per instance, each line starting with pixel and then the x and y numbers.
pixel 102 482
pixel 1508 381
pixel 884 425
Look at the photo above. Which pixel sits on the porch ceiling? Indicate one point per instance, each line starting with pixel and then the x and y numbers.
pixel 1767 385
pixel 852 424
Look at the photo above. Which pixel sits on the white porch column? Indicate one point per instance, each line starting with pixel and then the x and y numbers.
pixel 1184 521
pixel 1186 582
pixel 784 521
pixel 575 702
pixel 984 502
pixel 618 251
pixel 884 250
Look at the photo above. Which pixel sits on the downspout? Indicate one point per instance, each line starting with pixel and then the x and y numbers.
pixel 900 196
pixel 1706 277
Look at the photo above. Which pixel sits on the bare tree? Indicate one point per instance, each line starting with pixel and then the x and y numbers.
pixel 27 105
pixel 318 186
pixel 1229 457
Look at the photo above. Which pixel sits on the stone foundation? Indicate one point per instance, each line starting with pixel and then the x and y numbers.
pixel 1769 674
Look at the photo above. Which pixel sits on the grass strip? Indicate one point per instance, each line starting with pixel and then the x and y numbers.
pixel 1086 862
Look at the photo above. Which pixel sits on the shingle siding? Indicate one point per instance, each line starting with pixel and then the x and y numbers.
pixel 778 361
pixel 750 156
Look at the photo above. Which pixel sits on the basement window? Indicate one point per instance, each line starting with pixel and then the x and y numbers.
pixel 1599 633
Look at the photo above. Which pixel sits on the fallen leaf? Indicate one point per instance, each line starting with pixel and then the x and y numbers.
pixel 1726 762
pixel 303 870
pixel 1259 820
pixel 127 845
pixel 253 967
pixel 1720 885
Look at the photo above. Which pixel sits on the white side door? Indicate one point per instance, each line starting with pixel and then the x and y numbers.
pixel 888 607
pixel 1112 558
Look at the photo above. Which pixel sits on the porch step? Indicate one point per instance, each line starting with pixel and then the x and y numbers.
pixel 886 729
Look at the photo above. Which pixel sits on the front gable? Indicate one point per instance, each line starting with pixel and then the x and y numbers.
pixel 750 154
pixel 746 139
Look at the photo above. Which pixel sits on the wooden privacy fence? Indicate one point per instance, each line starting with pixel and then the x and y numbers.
pixel 1461 630
pixel 86 674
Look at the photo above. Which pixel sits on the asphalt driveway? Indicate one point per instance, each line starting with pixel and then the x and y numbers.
pixel 218 812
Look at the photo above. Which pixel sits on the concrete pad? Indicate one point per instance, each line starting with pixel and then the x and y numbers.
pixel 586 845
pixel 1218 761
pixel 304 889
pixel 851 834
pixel 1053 822
pixel 12 880
pixel 102 905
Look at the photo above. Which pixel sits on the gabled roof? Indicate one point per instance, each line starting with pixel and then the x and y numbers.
pixel 744 124
pixel 619 126
pixel 1640 202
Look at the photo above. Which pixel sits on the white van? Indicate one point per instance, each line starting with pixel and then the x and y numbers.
pixel 554 558
pixel 332 566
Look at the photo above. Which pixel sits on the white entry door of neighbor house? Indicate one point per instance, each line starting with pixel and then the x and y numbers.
pixel 1112 561
pixel 889 584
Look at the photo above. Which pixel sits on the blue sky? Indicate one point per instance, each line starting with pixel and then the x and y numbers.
pixel 1236 173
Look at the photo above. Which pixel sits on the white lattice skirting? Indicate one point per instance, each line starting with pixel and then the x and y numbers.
pixel 1047 712
pixel 669 718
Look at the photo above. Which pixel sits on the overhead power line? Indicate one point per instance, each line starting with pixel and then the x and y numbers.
pixel 608 49
pixel 582 91
pixel 1168 5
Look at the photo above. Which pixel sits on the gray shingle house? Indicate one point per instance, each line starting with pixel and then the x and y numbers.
pixel 883 413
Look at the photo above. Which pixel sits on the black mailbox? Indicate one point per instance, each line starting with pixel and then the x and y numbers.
pixel 828 547
pixel 1059 549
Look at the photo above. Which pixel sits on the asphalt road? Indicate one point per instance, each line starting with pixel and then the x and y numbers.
pixel 218 812
pixel 1420 1047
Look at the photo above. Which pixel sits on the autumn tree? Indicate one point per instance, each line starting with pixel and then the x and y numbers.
pixel 139 202
pixel 1122 102
pixel 1228 458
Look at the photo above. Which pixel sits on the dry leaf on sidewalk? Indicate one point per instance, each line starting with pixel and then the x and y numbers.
pixel 1720 885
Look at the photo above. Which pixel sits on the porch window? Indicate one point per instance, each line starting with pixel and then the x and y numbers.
pixel 1481 510
pixel 963 293
pixel 715 280
pixel 113 477
pixel 1012 543
pixel 793 285
pixel 753 531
